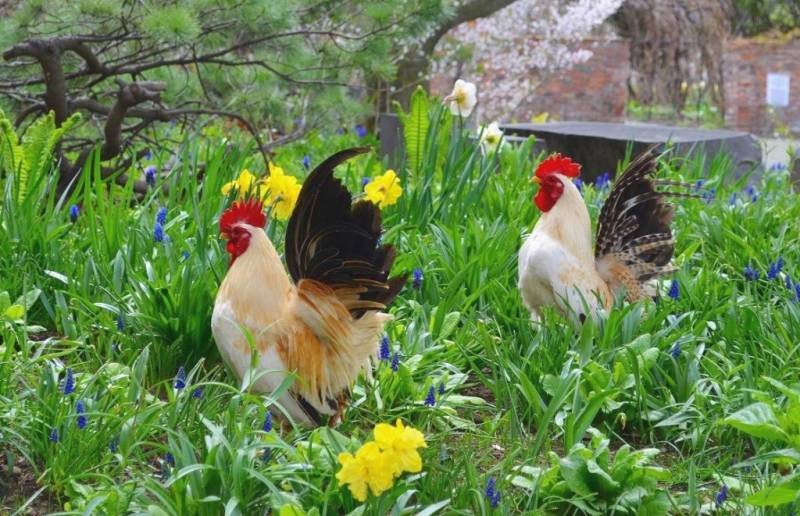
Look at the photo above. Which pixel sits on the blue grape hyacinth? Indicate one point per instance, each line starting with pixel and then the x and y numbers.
pixel 775 268
pixel 180 379
pixel 69 383
pixel 80 410
pixel 150 175
pixel 722 495
pixel 492 493
pixel 602 181
pixel 385 352
pixel 751 274
pixel 417 277
pixel 674 290
pixel 158 233
pixel 430 399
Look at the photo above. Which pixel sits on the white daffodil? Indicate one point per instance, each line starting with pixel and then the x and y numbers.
pixel 463 98
pixel 491 137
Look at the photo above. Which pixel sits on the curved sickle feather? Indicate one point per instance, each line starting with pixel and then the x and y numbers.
pixel 335 242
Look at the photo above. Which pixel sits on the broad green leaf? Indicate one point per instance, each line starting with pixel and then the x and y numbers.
pixel 434 508
pixel 15 312
pixel 655 505
pixel 786 455
pixel 757 420
pixel 28 298
pixel 779 494
pixel 449 324
pixel 595 469
pixel 575 473
pixel 291 510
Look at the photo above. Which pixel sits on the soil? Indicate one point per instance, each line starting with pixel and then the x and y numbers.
pixel 17 486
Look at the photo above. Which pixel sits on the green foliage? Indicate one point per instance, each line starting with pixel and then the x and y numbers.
pixel 285 65
pixel 31 155
pixel 590 480
pixel 415 127
pixel 422 145
pixel 757 16
pixel 781 425
pixel 124 312
pixel 171 23
pixel 12 315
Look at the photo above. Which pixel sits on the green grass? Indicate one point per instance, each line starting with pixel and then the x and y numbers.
pixel 124 312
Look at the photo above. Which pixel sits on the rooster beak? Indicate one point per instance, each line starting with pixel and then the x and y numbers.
pixel 535 179
pixel 223 236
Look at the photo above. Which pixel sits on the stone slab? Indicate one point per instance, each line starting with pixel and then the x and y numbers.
pixel 600 146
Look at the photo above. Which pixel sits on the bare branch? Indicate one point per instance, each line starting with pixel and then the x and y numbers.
pixel 129 96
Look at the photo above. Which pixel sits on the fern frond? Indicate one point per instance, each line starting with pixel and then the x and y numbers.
pixel 12 157
pixel 38 144
pixel 416 123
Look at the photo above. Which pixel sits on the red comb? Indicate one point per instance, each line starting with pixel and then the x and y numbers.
pixel 555 163
pixel 248 212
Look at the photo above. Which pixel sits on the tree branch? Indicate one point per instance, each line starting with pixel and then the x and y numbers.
pixel 467 11
pixel 129 96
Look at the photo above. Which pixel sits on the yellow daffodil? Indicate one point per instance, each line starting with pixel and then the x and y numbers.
pixel 541 118
pixel 384 190
pixel 280 192
pixel 401 442
pixel 370 467
pixel 491 137
pixel 241 184
pixel 275 170
pixel 462 99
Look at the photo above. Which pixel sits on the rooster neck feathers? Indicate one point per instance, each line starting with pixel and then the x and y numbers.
pixel 568 222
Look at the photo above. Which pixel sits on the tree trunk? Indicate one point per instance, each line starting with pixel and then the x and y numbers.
pixel 674 44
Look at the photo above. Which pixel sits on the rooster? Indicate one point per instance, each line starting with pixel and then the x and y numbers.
pixel 634 243
pixel 320 323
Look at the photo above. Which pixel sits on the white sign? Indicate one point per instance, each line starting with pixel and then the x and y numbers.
pixel 778 89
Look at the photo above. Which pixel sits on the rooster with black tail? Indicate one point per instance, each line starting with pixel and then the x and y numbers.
pixel 634 244
pixel 323 320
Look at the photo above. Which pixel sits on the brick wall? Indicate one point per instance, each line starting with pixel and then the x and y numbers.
pixel 746 63
pixel 594 90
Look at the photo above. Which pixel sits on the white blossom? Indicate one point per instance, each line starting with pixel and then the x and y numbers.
pixel 463 98
pixel 491 137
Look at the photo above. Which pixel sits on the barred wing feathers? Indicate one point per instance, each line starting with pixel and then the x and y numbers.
pixel 634 241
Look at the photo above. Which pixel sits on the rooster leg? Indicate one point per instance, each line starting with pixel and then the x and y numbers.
pixel 341 401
